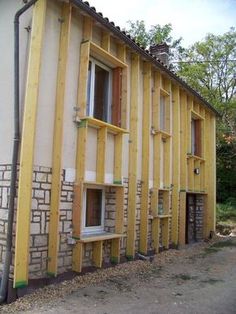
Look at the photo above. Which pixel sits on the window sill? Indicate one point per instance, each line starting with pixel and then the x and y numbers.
pixel 89 183
pixel 189 156
pixel 99 237
pixel 162 216
pixel 100 124
pixel 164 134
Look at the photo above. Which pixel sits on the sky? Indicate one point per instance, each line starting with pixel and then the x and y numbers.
pixel 190 19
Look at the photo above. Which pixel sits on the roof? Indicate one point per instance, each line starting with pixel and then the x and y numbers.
pixel 124 36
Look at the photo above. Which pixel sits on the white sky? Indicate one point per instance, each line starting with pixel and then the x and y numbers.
pixel 190 19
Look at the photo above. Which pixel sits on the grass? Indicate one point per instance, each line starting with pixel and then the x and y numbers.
pixel 226 211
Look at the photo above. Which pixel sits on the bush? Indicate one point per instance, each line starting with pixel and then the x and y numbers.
pixel 226 211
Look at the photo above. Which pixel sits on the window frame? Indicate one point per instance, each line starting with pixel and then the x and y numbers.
pixel 196 137
pixel 94 229
pixel 91 89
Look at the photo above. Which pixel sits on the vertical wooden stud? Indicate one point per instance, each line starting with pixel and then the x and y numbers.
pixel 106 41
pixel 57 142
pixel 27 147
pixel 175 164
pixel 118 158
pixel 156 234
pixel 183 141
pixel 165 232
pixel 97 253
pixel 77 259
pixel 182 217
pixel 145 158
pixel 101 154
pixel 133 144
pixel 87 28
pixel 121 54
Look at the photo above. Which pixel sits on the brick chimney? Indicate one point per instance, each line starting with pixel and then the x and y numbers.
pixel 161 51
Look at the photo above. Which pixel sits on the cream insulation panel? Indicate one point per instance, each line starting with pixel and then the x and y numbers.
pixel 7 13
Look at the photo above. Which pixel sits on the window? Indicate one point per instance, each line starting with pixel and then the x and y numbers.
pixel 196 137
pixel 93 211
pixel 99 91
pixel 162 113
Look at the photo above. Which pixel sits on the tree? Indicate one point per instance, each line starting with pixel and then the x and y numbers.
pixel 157 34
pixel 209 67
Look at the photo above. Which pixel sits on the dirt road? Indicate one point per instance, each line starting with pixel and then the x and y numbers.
pixel 198 279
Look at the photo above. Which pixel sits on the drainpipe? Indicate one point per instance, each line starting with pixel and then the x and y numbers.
pixel 16 141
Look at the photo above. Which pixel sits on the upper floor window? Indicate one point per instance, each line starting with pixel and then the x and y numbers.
pixel 162 113
pixel 196 137
pixel 99 91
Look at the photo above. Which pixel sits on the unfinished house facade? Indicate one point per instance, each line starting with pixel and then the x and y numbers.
pixel 116 154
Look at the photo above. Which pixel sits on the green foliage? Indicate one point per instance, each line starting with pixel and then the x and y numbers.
pixel 226 211
pixel 157 34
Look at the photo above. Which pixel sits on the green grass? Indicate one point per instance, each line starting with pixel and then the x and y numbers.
pixel 226 211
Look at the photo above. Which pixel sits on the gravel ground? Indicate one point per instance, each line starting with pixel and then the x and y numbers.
pixel 197 279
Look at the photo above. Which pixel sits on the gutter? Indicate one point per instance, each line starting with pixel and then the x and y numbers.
pixel 135 46
pixel 16 141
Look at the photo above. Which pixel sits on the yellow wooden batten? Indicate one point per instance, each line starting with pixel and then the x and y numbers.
pixel 57 143
pixel 133 142
pixel 27 147
pixel 145 161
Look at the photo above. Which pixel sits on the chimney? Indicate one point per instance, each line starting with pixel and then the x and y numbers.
pixel 161 51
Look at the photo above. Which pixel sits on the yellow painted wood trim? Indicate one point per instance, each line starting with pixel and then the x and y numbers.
pixel 183 140
pixel 99 237
pixel 57 140
pixel 77 208
pixel 154 202
pixel 101 155
pixel 156 160
pixel 27 145
pixel 144 210
pixel 133 144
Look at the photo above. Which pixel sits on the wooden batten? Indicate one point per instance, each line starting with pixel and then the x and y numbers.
pixel 87 28
pixel 175 163
pixel 210 175
pixel 183 141
pixel 118 158
pixel 83 79
pixel 145 161
pixel 101 155
pixel 182 217
pixel 133 144
pixel 57 143
pixel 106 41
pixel 27 146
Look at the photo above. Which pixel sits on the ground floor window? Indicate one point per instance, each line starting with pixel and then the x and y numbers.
pixel 94 207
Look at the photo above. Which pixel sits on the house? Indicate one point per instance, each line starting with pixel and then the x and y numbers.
pixel 116 154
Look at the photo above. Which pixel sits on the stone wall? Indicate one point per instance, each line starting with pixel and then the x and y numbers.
pixel 5 175
pixel 40 216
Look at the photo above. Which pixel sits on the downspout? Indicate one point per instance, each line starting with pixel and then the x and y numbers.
pixel 16 141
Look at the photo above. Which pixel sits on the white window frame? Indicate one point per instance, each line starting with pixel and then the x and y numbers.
pixel 90 111
pixel 93 229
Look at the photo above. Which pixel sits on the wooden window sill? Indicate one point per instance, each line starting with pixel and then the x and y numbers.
pixel 101 124
pixel 99 237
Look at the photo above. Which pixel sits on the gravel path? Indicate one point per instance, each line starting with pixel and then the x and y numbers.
pixel 198 279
